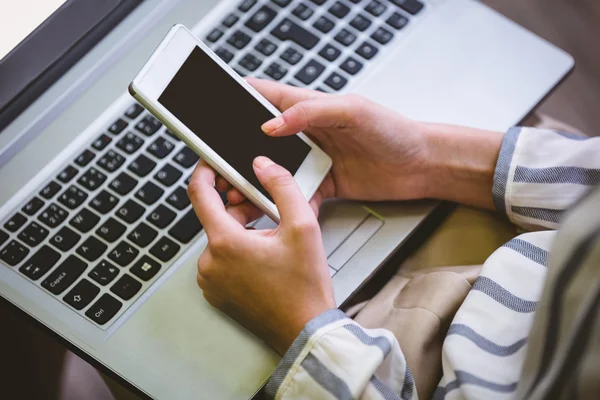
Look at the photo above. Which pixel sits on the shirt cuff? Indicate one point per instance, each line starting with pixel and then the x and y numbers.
pixel 501 174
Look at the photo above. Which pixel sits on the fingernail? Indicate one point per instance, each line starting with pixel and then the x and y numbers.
pixel 273 125
pixel 262 162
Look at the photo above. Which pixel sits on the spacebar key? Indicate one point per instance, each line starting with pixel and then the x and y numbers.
pixel 288 30
pixel 186 228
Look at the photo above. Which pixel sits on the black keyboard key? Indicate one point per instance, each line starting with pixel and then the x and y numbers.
pixel 330 53
pixel 161 148
pixel 84 158
pixel 276 71
pixel 104 272
pixel 168 175
pixel 310 72
pixel 397 20
pixel 53 216
pixel 345 37
pixel 367 50
pixel 82 294
pixel 73 197
pixel 111 230
pixel 33 206
pixel 16 222
pixel 289 30
pixel 33 234
pixel 266 47
pixel 91 249
pixel 165 249
pixel 104 202
pixel 134 111
pixel 214 35
pixel 67 174
pixel 123 183
pixel 382 36
pixel 145 268
pixel 40 263
pixel 376 8
pixel 117 127
pixel 148 125
pixel 3 237
pixel 102 141
pixel 179 198
pixel 239 40
pixel 142 166
pixel 339 9
pixel 410 6
pixel 172 135
pixel 250 62
pixel 123 254
pixel 84 220
pixel 142 235
pixel 111 161
pixel 351 66
pixel 324 24
pixel 355 1
pixel 261 19
pixel 230 20
pixel 282 3
pixel 161 217
pixel 92 179
pixel 186 228
pixel 361 23
pixel 149 193
pixel 130 143
pixel 292 56
pixel 246 5
pixel 186 157
pixel 303 12
pixel 126 287
pixel 65 239
pixel 104 309
pixel 336 81
pixel 319 2
pixel 224 54
pixel 13 253
pixel 130 211
pixel 50 190
pixel 64 275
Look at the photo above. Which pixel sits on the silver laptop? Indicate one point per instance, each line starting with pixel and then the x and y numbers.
pixel 98 241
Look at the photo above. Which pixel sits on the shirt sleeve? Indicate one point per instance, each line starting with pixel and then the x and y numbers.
pixel 335 358
pixel 540 173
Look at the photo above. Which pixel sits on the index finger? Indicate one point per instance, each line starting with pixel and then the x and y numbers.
pixel 283 96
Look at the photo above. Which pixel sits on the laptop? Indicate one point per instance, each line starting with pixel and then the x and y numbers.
pixel 98 241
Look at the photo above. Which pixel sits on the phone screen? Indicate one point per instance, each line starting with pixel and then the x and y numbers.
pixel 228 118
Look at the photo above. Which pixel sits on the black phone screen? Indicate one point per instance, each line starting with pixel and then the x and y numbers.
pixel 228 118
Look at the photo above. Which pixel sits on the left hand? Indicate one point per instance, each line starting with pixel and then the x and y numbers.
pixel 271 281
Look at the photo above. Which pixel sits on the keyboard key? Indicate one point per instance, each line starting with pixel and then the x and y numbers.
pixel 168 175
pixel 149 193
pixel 65 239
pixel 92 179
pixel 126 287
pixel 123 183
pixel 40 263
pixel 67 174
pixel 145 268
pixel 142 235
pixel 130 143
pixel 367 50
pixel 161 217
pixel 310 72
pixel 111 161
pixel 82 294
pixel 282 3
pixel 246 5
pixel 324 24
pixel 239 40
pixel 397 20
pixel 319 2
pixel 13 253
pixel 117 127
pixel 230 20
pixel 104 272
pixel 292 56
pixel 355 1
pixel 289 30
pixel 214 35
pixel 345 37
pixel 351 66
pixel 142 166
pixel 53 216
pixel 3 237
pixel 410 6
pixel 224 54
pixel 16 222
pixel 186 228
pixel 148 125
pixel 376 8
pixel 165 249
pixel 250 62
pixel 266 47
pixel 91 249
pixel 361 23
pixel 84 158
pixel 261 19
pixel 130 211
pixel 102 141
pixel 339 9
pixel 336 81
pixel 33 206
pixel 382 36
pixel 111 230
pixel 330 53
pixel 161 148
pixel 73 197
pixel 179 198
pixel 33 234
pixel 186 157
pixel 104 309
pixel 50 190
pixel 104 202
pixel 276 71
pixel 123 254
pixel 64 275
pixel 172 135
pixel 134 111
pixel 303 12
pixel 84 220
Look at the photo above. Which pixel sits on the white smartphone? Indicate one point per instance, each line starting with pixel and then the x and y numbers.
pixel 219 116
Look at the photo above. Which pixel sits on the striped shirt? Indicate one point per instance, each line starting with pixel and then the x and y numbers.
pixel 529 327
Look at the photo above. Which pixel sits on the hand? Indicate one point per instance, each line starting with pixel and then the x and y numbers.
pixel 271 281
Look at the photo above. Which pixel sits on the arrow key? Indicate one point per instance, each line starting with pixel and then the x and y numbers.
pixel 82 294
pixel 104 272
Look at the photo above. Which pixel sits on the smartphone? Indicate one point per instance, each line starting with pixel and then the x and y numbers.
pixel 219 116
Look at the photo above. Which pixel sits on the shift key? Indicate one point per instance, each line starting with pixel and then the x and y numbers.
pixel 64 276
pixel 289 30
